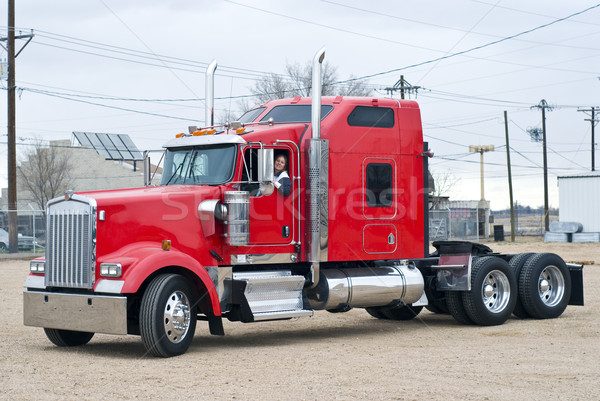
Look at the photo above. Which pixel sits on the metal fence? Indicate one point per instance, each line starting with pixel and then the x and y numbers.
pixel 454 224
pixel 31 228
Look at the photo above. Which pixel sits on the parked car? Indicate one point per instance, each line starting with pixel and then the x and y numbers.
pixel 25 241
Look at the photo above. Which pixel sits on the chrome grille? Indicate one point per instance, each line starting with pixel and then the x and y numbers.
pixel 70 242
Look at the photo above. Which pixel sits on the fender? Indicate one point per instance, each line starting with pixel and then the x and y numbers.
pixel 142 259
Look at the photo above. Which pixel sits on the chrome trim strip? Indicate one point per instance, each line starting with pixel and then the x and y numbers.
pixel 218 276
pixel 263 316
pixel 35 282
pixel 266 258
pixel 88 313
pixel 110 286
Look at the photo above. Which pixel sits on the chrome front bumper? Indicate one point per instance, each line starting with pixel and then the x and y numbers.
pixel 89 313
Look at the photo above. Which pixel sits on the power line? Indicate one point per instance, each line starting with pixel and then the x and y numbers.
pixel 473 48
pixel 113 107
pixel 466 31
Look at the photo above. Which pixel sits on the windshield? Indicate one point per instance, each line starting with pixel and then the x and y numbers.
pixel 297 113
pixel 206 165
pixel 250 115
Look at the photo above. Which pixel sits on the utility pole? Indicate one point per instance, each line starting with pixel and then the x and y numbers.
pixel 403 86
pixel 543 105
pixel 481 150
pixel 593 120
pixel 482 207
pixel 12 134
pixel 510 191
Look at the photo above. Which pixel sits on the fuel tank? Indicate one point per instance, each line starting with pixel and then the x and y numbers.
pixel 363 287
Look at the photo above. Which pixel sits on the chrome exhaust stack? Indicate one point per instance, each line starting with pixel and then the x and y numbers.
pixel 209 98
pixel 317 154
pixel 316 94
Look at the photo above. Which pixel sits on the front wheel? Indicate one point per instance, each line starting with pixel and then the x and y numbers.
pixel 493 293
pixel 68 338
pixel 168 316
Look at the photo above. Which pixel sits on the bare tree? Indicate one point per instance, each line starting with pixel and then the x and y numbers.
pixel 44 173
pixel 298 82
pixel 444 182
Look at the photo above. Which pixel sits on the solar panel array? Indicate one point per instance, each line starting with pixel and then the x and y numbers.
pixel 111 146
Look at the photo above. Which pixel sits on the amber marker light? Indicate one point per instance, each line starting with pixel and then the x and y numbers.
pixel 166 245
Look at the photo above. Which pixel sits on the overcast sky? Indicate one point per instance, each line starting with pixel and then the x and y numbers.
pixel 118 66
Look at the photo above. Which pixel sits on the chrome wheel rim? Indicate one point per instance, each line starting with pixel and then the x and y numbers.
pixel 177 317
pixel 495 291
pixel 551 286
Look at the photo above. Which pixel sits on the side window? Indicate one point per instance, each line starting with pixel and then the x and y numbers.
pixel 380 184
pixel 368 116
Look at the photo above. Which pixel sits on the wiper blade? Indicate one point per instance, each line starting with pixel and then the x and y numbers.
pixel 180 167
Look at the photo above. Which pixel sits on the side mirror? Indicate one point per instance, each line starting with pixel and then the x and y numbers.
pixel 265 165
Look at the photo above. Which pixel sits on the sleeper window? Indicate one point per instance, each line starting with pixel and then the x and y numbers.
pixel 380 185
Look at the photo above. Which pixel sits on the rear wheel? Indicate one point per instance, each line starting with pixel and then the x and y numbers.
pixel 437 301
pixel 545 286
pixel 517 262
pixel 493 293
pixel 402 312
pixel 376 312
pixel 68 338
pixel 168 316
pixel 456 308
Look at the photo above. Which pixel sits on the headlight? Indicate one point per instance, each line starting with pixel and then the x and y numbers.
pixel 37 266
pixel 110 269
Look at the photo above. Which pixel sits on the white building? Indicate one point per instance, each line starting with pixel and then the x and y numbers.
pixel 578 197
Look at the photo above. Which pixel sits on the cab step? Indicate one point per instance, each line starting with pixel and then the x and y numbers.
pixel 273 295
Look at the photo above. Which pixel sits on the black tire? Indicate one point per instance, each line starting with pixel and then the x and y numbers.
pixel 68 338
pixel 3 247
pixel 456 308
pixel 517 262
pixel 401 312
pixel 435 308
pixel 437 301
pixel 493 293
pixel 545 286
pixel 376 312
pixel 163 334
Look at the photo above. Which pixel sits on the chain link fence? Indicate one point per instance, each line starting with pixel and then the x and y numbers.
pixel 31 228
pixel 454 224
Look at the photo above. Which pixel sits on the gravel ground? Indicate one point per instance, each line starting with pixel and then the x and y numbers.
pixel 346 356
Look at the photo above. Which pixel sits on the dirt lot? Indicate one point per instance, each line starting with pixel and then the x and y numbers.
pixel 349 356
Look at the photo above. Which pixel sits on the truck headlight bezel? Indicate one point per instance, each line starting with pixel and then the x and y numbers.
pixel 37 266
pixel 110 269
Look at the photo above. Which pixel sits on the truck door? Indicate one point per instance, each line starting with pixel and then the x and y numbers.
pixel 272 217
pixel 380 234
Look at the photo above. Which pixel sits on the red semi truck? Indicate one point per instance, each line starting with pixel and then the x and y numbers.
pixel 216 240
